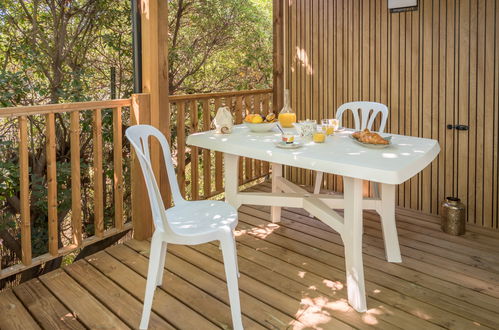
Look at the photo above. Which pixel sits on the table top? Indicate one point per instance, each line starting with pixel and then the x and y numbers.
pixel 403 159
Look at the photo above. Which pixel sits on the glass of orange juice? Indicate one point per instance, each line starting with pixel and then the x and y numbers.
pixel 327 127
pixel 319 136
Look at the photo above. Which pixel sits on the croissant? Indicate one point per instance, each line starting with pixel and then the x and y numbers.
pixel 367 136
pixel 373 138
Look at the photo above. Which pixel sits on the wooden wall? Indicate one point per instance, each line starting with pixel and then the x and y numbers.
pixel 435 66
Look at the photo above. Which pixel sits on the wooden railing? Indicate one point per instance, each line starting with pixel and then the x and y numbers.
pixel 200 172
pixel 197 112
pixel 55 246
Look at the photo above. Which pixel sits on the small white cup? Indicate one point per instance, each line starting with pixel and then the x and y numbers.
pixel 288 138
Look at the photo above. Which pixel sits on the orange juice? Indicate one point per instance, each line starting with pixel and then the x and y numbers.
pixel 319 137
pixel 328 129
pixel 287 119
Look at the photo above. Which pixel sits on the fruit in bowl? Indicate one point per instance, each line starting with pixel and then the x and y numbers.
pixel 259 123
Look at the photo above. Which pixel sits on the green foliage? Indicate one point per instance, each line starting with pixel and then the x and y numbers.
pixel 54 51
pixel 220 45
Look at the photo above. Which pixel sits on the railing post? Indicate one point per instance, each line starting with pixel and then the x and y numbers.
pixel 140 113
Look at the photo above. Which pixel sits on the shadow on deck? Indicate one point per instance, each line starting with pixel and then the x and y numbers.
pixel 292 276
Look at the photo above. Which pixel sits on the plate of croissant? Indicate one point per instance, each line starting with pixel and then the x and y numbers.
pixel 371 139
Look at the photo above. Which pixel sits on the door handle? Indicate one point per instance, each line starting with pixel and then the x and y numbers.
pixel 458 127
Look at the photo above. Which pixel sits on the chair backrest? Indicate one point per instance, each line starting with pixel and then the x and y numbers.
pixel 368 112
pixel 139 138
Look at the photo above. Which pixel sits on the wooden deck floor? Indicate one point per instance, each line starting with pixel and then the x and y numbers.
pixel 292 276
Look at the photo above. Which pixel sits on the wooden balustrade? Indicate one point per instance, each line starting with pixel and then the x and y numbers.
pixel 55 246
pixel 199 172
pixel 195 113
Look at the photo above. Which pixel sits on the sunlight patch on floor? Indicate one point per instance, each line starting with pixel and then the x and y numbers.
pixel 334 285
pixel 320 310
pixel 260 232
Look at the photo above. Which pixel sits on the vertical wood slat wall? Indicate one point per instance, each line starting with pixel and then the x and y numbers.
pixel 435 66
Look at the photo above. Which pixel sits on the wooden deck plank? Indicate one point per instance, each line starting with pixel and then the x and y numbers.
pixel 443 243
pixel 264 314
pixel 299 291
pixel 413 245
pixel 403 285
pixel 413 258
pixel 48 311
pixel 213 309
pixel 332 254
pixel 80 302
pixel 13 315
pixel 407 239
pixel 316 299
pixel 435 243
pixel 384 293
pixel 178 314
pixel 292 276
pixel 292 307
pixel 106 291
pixel 417 215
pixel 312 247
pixel 332 289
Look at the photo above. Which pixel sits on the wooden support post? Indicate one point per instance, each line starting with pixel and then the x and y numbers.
pixel 141 209
pixel 154 25
pixel 278 55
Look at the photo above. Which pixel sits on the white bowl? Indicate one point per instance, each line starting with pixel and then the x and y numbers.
pixel 260 128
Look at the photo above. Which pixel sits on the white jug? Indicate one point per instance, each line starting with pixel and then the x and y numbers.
pixel 223 121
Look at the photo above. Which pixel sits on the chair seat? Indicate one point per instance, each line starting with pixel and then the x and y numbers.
pixel 201 217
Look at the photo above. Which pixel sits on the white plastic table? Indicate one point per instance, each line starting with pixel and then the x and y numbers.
pixel 339 155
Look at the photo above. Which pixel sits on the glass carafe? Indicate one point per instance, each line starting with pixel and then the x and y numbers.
pixel 287 117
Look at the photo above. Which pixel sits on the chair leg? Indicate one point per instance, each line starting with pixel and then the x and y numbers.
pixel 230 264
pixel 152 275
pixel 161 267
pixel 235 255
pixel 318 182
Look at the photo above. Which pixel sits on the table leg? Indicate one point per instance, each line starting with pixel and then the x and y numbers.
pixel 392 248
pixel 275 211
pixel 231 164
pixel 352 239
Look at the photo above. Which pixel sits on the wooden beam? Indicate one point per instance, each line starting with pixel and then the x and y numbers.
pixel 154 25
pixel 278 54
pixel 141 209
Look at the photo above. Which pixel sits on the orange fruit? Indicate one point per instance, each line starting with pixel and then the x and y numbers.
pixel 257 119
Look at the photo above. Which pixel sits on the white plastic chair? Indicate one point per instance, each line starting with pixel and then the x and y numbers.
pixel 368 112
pixel 188 222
